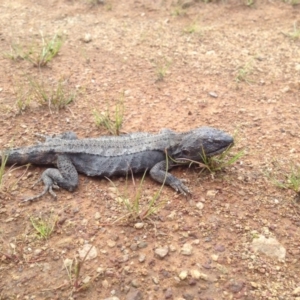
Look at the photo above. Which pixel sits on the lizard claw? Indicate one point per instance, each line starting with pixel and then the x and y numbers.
pixel 48 188
pixel 178 186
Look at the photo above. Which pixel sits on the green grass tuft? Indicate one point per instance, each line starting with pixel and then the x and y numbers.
pixel 105 120
pixel 44 226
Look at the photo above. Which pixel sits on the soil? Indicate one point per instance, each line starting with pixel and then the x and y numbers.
pixel 176 65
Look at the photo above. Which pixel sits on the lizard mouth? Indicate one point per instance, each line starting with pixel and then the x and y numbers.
pixel 219 151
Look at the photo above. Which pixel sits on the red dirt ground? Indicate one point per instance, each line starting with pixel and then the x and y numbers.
pixel 249 56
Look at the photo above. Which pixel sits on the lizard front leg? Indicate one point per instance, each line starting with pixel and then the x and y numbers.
pixel 65 176
pixel 159 172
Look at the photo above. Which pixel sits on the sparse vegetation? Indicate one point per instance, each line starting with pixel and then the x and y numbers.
pixel 56 95
pixel 135 210
pixel 292 2
pixel 221 161
pixel 105 120
pixel 44 226
pixel 4 158
pixel 162 69
pixel 192 28
pixel 73 271
pixel 295 34
pixel 287 180
pixel 244 73
pixel 216 163
pixel 38 55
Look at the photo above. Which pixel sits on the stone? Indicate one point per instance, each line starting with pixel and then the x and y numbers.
pixel 168 293
pixel 269 246
pixel 186 249
pixel 296 291
pixel 134 295
pixel 139 225
pixel 183 275
pixel 161 252
pixel 87 248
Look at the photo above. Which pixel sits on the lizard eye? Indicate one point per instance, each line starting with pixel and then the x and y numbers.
pixel 185 152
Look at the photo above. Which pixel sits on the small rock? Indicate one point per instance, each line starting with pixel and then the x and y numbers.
pixel 134 246
pixel 220 248
pixel 87 248
pixel 235 286
pixel 111 243
pixel 134 295
pixel 211 193
pixel 87 38
pixel 200 205
pixel 37 252
pixel 142 244
pixel 112 298
pixel 195 274
pixel 183 275
pixel 142 257
pixel 84 222
pixel 296 291
pixel 186 249
pixel 214 257
pixel 135 283
pixel 213 94
pixel 100 271
pixel 161 252
pixel 168 293
pixel 105 284
pixel 139 225
pixel 155 280
pixel 86 279
pixel 46 267
pixel 97 216
pixel 269 246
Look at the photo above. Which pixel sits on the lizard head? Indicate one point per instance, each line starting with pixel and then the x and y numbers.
pixel 200 142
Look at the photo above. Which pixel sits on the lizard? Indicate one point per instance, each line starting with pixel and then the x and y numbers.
pixel 107 156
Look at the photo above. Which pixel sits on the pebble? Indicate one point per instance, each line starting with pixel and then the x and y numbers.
pixel 161 252
pixel 142 257
pixel 168 293
pixel 105 284
pixel 87 38
pixel 142 244
pixel 139 225
pixel 220 248
pixel 134 246
pixel 213 94
pixel 269 246
pixel 111 243
pixel 92 253
pixel 135 283
pixel 296 291
pixel 186 249
pixel 100 271
pixel 155 280
pixel 183 275
pixel 215 257
pixel 97 215
pixel 235 286
pixel 112 298
pixel 86 279
pixel 195 274
pixel 134 295
pixel 200 205
pixel 37 252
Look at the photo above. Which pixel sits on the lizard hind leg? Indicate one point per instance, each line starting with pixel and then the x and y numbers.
pixel 64 176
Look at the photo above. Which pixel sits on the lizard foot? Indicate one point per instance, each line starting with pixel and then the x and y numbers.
pixel 178 186
pixel 48 188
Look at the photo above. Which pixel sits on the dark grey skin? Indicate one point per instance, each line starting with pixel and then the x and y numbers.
pixel 119 155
